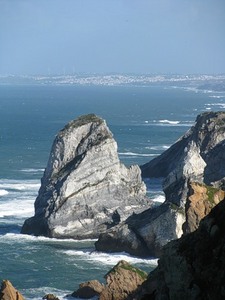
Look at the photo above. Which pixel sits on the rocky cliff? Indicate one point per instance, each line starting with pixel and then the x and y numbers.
pixel 193 171
pixel 198 155
pixel 8 292
pixel 193 266
pixel 85 189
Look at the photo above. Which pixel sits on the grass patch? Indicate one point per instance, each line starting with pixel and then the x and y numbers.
pixel 82 120
pixel 141 273
pixel 177 208
pixel 211 193
pixel 126 266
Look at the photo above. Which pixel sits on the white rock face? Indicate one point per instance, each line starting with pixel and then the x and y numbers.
pixel 146 233
pixel 167 227
pixel 85 188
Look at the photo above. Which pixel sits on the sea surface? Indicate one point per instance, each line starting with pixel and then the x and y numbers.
pixel 145 121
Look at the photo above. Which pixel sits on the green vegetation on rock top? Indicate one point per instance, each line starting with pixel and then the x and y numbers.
pixel 82 120
pixel 126 266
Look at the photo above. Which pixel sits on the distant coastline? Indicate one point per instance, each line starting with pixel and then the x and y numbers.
pixel 198 82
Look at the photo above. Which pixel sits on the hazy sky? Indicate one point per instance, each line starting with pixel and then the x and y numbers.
pixel 105 36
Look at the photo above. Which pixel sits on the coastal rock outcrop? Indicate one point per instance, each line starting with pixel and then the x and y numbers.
pixel 191 267
pixel 85 188
pixel 197 156
pixel 144 234
pixel 201 199
pixel 121 281
pixel 193 171
pixel 8 292
pixel 88 289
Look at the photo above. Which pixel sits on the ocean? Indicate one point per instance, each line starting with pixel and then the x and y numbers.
pixel 145 121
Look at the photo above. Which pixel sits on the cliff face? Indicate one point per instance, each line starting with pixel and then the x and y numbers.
pixel 193 266
pixel 193 171
pixel 198 155
pixel 201 199
pixel 85 189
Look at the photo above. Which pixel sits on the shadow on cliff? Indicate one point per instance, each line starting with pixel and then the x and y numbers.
pixel 191 267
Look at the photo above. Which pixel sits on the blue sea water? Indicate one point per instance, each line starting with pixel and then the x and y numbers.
pixel 145 121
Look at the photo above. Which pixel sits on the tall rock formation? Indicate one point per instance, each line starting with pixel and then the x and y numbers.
pixel 85 189
pixel 194 173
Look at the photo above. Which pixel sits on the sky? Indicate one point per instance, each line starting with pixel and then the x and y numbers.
pixel 112 36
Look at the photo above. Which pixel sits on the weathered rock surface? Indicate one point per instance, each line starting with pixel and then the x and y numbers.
pixel 8 292
pixel 198 155
pixel 193 169
pixel 192 267
pixel 200 201
pixel 50 297
pixel 121 281
pixel 85 189
pixel 88 289
pixel 144 234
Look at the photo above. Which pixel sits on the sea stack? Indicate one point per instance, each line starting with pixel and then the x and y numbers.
pixel 85 188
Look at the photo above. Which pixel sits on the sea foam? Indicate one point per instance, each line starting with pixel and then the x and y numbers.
pixel 17 197
pixel 109 259
pixel 136 154
pixel 3 192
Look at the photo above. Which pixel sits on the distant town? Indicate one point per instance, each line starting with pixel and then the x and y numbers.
pixel 198 82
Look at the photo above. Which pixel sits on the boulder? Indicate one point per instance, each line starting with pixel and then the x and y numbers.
pixel 121 281
pixel 85 188
pixel 50 297
pixel 8 292
pixel 88 289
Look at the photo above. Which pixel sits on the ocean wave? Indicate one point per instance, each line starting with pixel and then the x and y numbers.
pixel 217 96
pixel 25 237
pixel 158 148
pixel 218 105
pixel 135 154
pixel 170 123
pixel 30 170
pixel 109 259
pixel 17 208
pixel 21 185
pixel 39 293
pixel 3 192
pixel 159 198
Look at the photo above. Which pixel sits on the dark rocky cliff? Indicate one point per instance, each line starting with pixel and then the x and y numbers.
pixel 192 267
